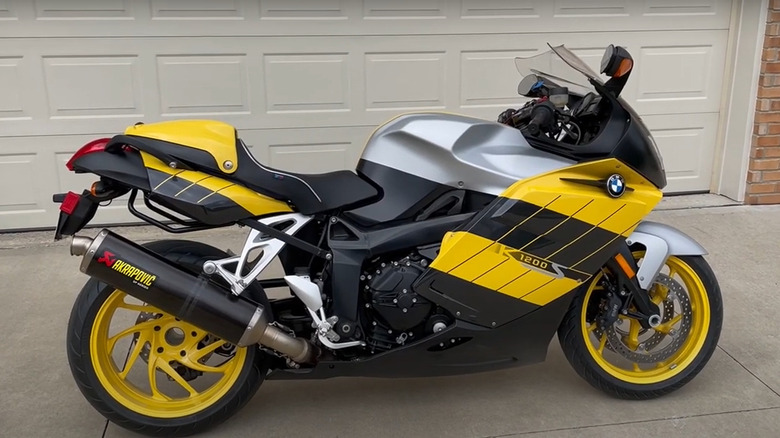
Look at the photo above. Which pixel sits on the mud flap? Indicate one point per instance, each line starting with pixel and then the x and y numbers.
pixel 75 212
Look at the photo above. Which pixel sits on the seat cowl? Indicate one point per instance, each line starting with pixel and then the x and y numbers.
pixel 218 139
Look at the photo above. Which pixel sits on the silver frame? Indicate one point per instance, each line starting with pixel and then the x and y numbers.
pixel 256 240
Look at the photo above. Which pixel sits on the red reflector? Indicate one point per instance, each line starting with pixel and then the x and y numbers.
pixel 70 203
pixel 93 146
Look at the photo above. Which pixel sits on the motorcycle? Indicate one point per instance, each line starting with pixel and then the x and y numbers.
pixel 459 245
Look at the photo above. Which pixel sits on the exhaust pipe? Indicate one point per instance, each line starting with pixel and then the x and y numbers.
pixel 155 280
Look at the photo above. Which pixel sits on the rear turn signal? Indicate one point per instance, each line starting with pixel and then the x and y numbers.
pixel 96 188
pixel 98 145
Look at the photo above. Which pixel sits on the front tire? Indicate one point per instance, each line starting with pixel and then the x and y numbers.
pixel 155 374
pixel 633 363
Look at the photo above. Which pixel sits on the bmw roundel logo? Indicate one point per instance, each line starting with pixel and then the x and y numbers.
pixel 616 186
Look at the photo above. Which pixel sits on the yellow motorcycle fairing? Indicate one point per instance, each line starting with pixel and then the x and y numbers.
pixel 540 239
pixel 206 198
pixel 216 138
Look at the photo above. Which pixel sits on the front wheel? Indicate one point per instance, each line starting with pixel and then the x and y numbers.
pixel 628 361
pixel 150 372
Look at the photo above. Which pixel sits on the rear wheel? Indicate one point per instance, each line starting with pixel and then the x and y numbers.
pixel 628 361
pixel 149 372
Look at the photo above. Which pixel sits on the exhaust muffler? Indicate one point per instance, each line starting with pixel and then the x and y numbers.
pixel 155 280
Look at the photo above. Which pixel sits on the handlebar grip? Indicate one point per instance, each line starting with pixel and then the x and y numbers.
pixel 543 115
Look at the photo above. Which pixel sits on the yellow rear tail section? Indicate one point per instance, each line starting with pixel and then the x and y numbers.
pixel 216 138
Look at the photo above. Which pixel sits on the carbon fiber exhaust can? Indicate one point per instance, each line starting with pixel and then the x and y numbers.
pixel 161 283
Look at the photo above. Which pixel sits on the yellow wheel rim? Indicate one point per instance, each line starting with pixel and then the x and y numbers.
pixel 645 374
pixel 138 364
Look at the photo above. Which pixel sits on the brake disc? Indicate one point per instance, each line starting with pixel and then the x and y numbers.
pixel 643 353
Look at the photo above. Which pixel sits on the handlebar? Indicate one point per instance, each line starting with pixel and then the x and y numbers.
pixel 542 116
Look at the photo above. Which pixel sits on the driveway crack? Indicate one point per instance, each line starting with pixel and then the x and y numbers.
pixel 748 370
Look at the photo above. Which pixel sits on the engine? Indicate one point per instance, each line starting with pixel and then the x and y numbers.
pixel 395 312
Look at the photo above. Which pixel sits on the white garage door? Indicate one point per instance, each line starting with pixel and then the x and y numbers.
pixel 306 81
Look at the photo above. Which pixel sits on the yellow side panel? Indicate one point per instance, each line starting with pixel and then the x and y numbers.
pixel 490 258
pixel 214 137
pixel 251 201
pixel 459 247
pixel 634 204
pixel 502 274
pixel 568 205
pixel 545 235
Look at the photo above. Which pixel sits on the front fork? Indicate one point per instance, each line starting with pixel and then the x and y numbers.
pixel 625 290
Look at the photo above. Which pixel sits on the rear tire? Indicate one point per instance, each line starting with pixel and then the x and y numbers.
pixel 98 371
pixel 589 359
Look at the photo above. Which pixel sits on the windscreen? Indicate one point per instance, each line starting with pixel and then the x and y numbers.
pixel 560 66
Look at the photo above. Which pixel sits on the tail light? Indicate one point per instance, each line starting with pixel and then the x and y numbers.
pixel 98 145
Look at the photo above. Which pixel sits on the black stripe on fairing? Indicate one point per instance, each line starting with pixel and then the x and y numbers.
pixel 558 238
pixel 589 242
pixel 470 301
pixel 502 216
pixel 539 224
pixel 596 260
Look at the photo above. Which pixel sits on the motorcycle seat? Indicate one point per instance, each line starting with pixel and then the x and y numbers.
pixel 213 147
pixel 309 193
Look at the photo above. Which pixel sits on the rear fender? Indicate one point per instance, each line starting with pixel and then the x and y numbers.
pixel 660 241
pixel 123 166
pixel 119 171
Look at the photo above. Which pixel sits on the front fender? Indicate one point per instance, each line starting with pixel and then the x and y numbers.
pixel 660 242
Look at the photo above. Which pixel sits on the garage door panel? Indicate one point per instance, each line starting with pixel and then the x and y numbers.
pixel 405 81
pixel 18 178
pixel 96 86
pixel 354 17
pixel 687 8
pixel 686 146
pixel 82 9
pixel 307 82
pixel 497 92
pixel 679 77
pixel 6 13
pixel 215 85
pixel 403 9
pixel 27 176
pixel 501 9
pixel 12 104
pixel 594 8
pixel 303 9
pixel 197 9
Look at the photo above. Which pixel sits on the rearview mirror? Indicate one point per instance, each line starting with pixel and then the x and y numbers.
pixel 528 84
pixel 616 62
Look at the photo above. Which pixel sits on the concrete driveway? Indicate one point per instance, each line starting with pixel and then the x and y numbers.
pixel 737 394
